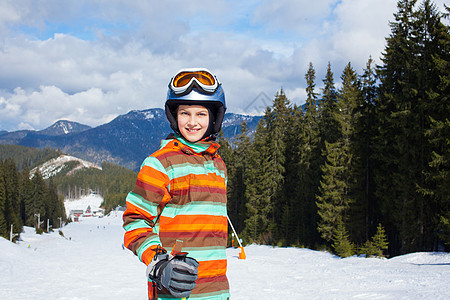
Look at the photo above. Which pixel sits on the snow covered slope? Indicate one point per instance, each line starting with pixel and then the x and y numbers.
pixel 56 165
pixel 90 263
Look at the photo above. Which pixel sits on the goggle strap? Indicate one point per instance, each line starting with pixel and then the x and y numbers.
pixel 190 87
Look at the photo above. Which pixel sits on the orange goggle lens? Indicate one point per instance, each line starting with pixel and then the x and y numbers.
pixel 183 78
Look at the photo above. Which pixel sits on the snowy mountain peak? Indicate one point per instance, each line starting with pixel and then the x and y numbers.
pixel 152 113
pixel 63 127
pixel 60 164
pixel 148 114
pixel 235 119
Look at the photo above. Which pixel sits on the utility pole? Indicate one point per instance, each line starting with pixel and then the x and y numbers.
pixel 39 223
pixel 12 235
pixel 48 225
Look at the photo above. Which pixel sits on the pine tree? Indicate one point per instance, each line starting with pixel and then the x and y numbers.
pixel 39 197
pixel 393 182
pixel 237 174
pixel 281 126
pixel 379 241
pixel 438 177
pixel 410 93
pixel 265 181
pixel 433 40
pixel 364 211
pixel 444 226
pixel 258 189
pixel 377 245
pixel 225 150
pixel 331 201
pixel 12 205
pixel 327 106
pixel 436 69
pixel 55 208
pixel 26 198
pixel 3 222
pixel 335 196
pixel 9 198
pixel 341 242
pixel 328 204
pixel 292 204
pixel 349 99
pixel 308 165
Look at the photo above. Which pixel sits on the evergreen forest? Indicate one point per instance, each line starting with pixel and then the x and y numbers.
pixel 26 199
pixel 362 168
pixel 27 157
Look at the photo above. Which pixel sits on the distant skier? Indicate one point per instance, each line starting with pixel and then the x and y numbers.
pixel 179 200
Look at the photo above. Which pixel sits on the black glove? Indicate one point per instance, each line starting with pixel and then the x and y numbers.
pixel 177 274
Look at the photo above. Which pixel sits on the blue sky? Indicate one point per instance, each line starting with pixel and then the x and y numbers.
pixel 91 60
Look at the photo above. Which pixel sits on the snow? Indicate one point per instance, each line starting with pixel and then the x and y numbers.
pixel 90 263
pixel 55 165
pixel 231 119
pixel 149 115
pixel 92 200
pixel 66 127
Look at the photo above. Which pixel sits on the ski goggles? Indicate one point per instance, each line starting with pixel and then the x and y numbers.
pixel 185 80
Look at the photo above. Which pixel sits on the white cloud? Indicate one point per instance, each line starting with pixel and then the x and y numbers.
pixel 88 61
pixel 39 109
pixel 8 14
pixel 302 16
pixel 361 27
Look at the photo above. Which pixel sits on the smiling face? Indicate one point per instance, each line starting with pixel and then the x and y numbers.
pixel 193 121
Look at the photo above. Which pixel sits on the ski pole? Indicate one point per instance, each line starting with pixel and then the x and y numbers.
pixel 242 253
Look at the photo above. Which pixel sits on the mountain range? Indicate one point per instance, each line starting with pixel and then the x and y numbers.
pixel 125 141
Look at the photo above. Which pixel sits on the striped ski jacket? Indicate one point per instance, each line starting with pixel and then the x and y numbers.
pixel 180 195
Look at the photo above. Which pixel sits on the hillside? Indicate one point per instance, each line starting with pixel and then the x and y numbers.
pixel 72 176
pixel 65 164
pixel 90 263
pixel 27 156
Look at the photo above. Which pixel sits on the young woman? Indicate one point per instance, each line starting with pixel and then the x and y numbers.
pixel 178 204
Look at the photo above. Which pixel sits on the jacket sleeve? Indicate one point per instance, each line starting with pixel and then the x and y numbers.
pixel 144 205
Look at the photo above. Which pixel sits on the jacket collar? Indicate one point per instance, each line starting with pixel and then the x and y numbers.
pixel 200 147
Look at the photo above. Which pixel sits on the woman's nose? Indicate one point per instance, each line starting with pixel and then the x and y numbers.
pixel 191 120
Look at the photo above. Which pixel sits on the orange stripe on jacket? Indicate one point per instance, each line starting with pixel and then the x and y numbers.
pixel 153 177
pixel 185 182
pixel 189 223
pixel 194 228
pixel 131 236
pixel 212 268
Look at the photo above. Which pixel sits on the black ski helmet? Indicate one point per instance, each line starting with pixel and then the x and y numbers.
pixel 196 86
